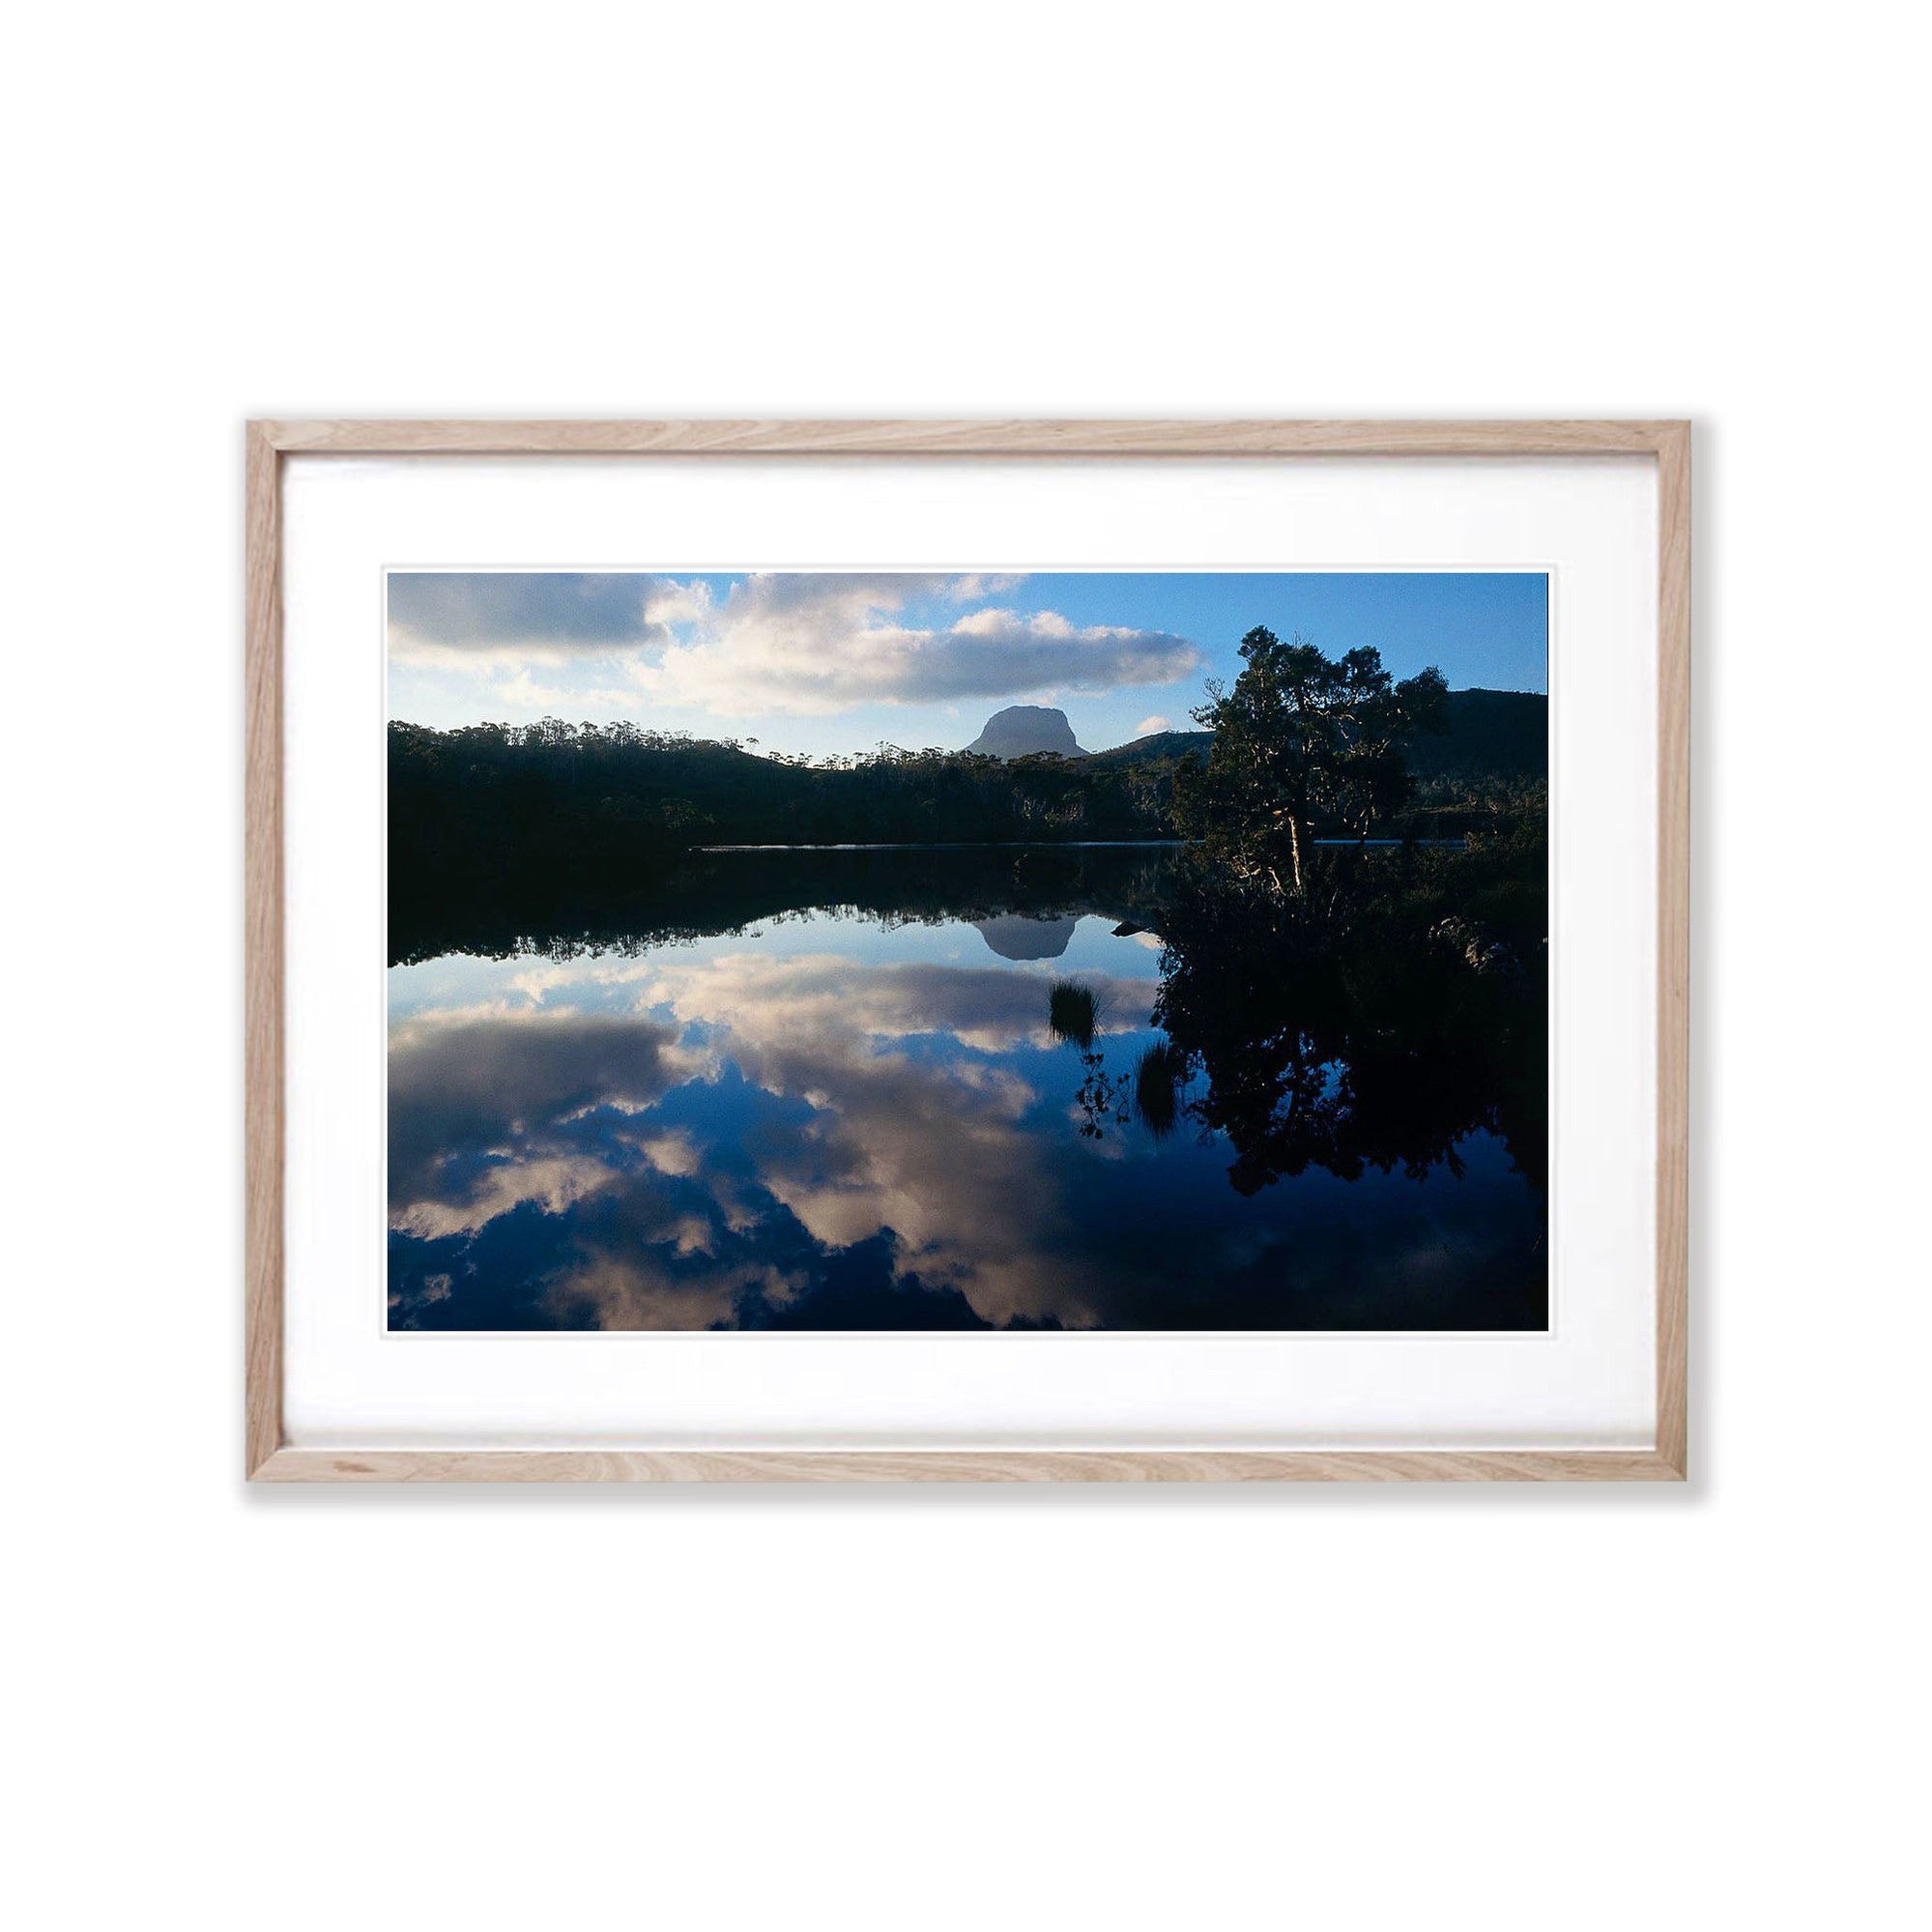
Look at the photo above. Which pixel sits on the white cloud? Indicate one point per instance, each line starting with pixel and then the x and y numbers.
pixel 461 618
pixel 670 602
pixel 817 643
pixel 820 643
pixel 1147 727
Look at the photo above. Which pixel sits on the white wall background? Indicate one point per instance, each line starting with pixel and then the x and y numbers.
pixel 1334 1709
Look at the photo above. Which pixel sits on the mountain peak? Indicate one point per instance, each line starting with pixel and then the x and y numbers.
pixel 1021 730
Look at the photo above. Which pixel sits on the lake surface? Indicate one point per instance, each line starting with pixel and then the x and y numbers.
pixel 825 1090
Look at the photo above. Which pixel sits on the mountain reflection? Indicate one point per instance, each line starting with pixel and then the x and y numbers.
pixel 807 1093
pixel 1014 938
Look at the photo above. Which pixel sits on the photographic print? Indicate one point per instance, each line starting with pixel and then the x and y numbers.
pixel 902 951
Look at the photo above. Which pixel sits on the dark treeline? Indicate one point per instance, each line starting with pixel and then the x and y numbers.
pixel 495 803
pixel 508 811
pixel 684 896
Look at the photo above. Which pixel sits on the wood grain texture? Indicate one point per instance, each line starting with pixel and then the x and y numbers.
pixel 1673 948
pixel 270 1460
pixel 963 1465
pixel 939 438
pixel 262 865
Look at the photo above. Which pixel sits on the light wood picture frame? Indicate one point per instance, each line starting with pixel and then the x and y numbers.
pixel 269 1456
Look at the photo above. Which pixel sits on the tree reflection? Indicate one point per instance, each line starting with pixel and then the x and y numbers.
pixel 1366 1024
pixel 1158 1080
pixel 1024 900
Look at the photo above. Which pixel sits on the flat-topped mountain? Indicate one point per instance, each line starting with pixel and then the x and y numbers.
pixel 1023 730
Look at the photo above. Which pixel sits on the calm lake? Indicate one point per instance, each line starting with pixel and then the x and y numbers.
pixel 826 1089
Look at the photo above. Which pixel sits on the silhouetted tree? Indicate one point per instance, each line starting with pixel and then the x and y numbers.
pixel 1301 737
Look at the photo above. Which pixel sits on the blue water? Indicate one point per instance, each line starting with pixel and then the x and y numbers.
pixel 831 1120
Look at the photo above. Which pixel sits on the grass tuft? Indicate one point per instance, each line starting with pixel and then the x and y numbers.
pixel 1158 1080
pixel 1072 1012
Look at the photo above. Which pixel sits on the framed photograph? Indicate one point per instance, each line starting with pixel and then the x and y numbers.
pixel 968 951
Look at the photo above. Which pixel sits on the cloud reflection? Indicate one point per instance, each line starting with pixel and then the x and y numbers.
pixel 748 1138
pixel 481 1105
pixel 553 1110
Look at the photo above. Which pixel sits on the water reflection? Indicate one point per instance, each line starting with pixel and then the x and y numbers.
pixel 1014 936
pixel 1059 1094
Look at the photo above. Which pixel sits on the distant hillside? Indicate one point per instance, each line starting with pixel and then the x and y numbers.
pixel 1022 731
pixel 1153 749
pixel 1491 734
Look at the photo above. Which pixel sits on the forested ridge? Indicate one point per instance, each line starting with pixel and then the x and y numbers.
pixel 496 802
pixel 581 799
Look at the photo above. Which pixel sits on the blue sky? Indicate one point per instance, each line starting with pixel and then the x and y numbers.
pixel 839 661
